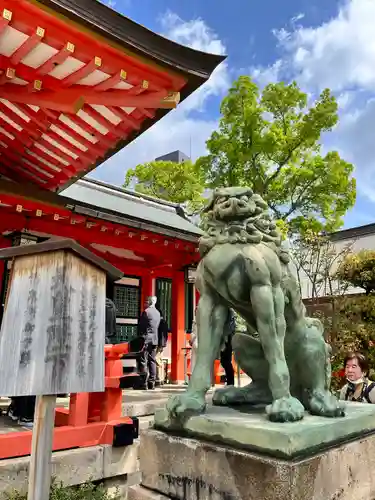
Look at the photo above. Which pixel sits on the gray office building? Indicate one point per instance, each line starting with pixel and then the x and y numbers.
pixel 175 156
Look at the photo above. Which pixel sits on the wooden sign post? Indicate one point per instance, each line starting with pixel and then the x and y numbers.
pixel 52 336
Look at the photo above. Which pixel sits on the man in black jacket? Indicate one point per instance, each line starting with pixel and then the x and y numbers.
pixel 148 327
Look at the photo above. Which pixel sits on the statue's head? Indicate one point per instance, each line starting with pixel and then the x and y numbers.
pixel 239 216
pixel 234 203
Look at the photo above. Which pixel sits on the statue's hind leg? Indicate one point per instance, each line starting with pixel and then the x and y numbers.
pixel 312 369
pixel 250 357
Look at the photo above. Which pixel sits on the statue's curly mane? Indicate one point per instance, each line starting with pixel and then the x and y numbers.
pixel 237 215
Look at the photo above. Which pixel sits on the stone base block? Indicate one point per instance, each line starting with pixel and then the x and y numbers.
pixel 248 430
pixel 190 469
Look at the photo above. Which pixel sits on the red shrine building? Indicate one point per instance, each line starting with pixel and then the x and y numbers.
pixel 78 82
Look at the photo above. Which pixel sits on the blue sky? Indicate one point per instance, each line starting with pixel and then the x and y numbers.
pixel 319 43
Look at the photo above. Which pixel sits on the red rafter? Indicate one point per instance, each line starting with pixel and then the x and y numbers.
pixel 25 169
pixel 95 115
pixel 22 136
pixel 30 74
pixel 81 73
pixel 27 46
pixel 19 121
pixel 67 169
pixel 55 60
pixel 75 164
pixel 147 112
pixel 91 130
pixel 85 155
pixel 5 20
pixel 19 161
pixel 124 117
pixel 13 171
pixel 120 76
pixel 96 149
pixel 35 116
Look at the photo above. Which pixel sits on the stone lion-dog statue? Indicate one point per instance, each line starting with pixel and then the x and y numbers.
pixel 244 267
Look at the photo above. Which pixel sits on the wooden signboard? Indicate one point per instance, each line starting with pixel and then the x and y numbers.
pixel 52 335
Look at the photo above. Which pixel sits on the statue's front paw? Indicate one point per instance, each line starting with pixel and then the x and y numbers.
pixel 286 409
pixel 185 404
pixel 325 404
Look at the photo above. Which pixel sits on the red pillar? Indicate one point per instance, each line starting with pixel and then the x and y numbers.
pixel 178 326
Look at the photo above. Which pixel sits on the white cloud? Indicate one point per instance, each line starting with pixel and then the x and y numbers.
pixel 179 129
pixel 339 54
pixel 197 35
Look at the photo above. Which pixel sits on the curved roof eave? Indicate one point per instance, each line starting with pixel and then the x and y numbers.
pixel 114 26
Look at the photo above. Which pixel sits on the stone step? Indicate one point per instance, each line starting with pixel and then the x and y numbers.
pixel 146 422
pixel 140 493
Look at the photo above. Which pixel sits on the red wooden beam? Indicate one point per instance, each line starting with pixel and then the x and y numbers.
pixel 7 75
pixel 71 100
pixel 124 98
pixel 59 175
pixel 19 161
pixel 103 139
pixel 147 112
pixel 23 172
pixel 114 129
pixel 120 76
pixel 87 156
pixel 67 169
pixel 74 164
pixel 125 118
pixel 32 131
pixel 94 150
pixel 27 46
pixel 86 70
pixel 56 59
pixel 5 19
pixel 21 136
pixel 30 74
pixel 36 117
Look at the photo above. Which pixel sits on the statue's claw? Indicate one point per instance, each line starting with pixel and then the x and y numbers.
pixel 325 404
pixel 286 409
pixel 185 405
pixel 250 394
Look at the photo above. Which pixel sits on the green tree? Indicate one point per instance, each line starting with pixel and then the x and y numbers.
pixel 270 141
pixel 181 183
pixel 359 270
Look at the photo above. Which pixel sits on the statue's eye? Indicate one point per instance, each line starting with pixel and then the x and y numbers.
pixel 245 198
pixel 221 200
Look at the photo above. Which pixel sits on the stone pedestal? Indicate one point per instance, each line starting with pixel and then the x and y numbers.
pixel 226 454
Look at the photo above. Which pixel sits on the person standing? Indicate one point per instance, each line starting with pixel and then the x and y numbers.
pixel 163 331
pixel 148 327
pixel 227 351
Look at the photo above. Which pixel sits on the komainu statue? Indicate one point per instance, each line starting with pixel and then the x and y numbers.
pixel 244 267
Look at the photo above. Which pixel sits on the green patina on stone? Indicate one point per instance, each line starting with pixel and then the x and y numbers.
pixel 245 268
pixel 254 432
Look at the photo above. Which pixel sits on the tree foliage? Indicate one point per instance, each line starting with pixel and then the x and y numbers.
pixel 177 182
pixel 359 270
pixel 270 141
